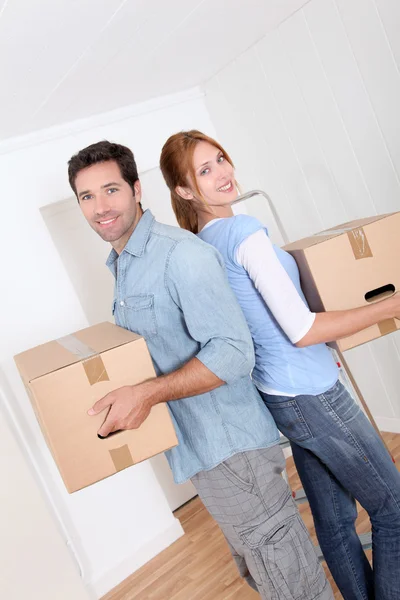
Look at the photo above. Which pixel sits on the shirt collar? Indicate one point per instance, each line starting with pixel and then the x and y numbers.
pixel 137 242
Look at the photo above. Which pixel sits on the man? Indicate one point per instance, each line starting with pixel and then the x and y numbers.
pixel 171 288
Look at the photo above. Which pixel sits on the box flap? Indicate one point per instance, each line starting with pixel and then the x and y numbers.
pixel 58 354
pixel 356 223
pixel 328 234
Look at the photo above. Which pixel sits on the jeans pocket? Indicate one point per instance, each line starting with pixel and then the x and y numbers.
pixel 341 403
pixel 289 419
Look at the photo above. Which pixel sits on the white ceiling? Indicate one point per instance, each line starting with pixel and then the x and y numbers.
pixel 62 60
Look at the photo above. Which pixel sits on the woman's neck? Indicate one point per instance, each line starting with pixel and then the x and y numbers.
pixel 216 212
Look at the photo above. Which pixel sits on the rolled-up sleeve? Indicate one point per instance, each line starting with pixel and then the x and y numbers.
pixel 196 281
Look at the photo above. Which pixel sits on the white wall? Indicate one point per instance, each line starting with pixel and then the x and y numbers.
pixel 35 561
pixel 118 524
pixel 311 115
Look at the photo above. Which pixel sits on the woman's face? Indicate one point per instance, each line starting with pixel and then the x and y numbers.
pixel 215 176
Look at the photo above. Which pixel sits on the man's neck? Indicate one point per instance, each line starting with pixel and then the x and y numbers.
pixel 120 244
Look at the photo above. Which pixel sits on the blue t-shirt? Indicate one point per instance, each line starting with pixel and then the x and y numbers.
pixel 280 365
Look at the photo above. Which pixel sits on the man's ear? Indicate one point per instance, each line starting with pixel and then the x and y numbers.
pixel 138 191
pixel 184 192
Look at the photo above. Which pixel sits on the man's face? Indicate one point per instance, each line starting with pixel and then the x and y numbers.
pixel 108 203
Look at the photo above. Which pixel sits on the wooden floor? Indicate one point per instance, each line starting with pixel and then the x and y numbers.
pixel 198 566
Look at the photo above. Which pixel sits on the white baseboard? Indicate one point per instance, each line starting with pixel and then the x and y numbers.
pixel 98 587
pixel 388 424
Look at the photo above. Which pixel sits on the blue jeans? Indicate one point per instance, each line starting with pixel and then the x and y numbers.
pixel 340 459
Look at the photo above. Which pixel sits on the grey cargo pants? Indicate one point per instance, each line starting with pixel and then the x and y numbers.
pixel 251 502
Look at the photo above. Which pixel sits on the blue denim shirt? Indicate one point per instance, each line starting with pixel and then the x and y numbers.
pixel 171 288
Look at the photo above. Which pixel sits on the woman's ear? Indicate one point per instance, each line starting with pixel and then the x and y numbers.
pixel 184 193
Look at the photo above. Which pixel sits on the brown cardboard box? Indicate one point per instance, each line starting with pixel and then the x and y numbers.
pixel 65 377
pixel 349 266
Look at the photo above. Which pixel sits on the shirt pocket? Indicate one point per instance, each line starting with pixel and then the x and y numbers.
pixel 141 315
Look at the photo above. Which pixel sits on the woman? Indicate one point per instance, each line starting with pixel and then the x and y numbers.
pixel 339 456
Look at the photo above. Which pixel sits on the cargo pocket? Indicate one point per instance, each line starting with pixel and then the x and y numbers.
pixel 282 557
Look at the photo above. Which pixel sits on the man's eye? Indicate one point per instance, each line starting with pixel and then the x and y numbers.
pixel 111 190
pixel 86 197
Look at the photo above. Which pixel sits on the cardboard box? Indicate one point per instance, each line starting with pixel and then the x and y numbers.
pixel 65 377
pixel 352 265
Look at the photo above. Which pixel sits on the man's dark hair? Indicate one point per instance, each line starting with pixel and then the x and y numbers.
pixel 103 152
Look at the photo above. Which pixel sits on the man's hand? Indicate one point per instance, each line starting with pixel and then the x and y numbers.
pixel 127 408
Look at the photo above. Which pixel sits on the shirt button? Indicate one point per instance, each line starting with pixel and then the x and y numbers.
pixel 122 303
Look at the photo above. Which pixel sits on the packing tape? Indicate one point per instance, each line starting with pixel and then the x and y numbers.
pixel 333 231
pixel 357 238
pixel 387 326
pixel 76 347
pixel 359 243
pixel 121 457
pixel 92 362
pixel 95 370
